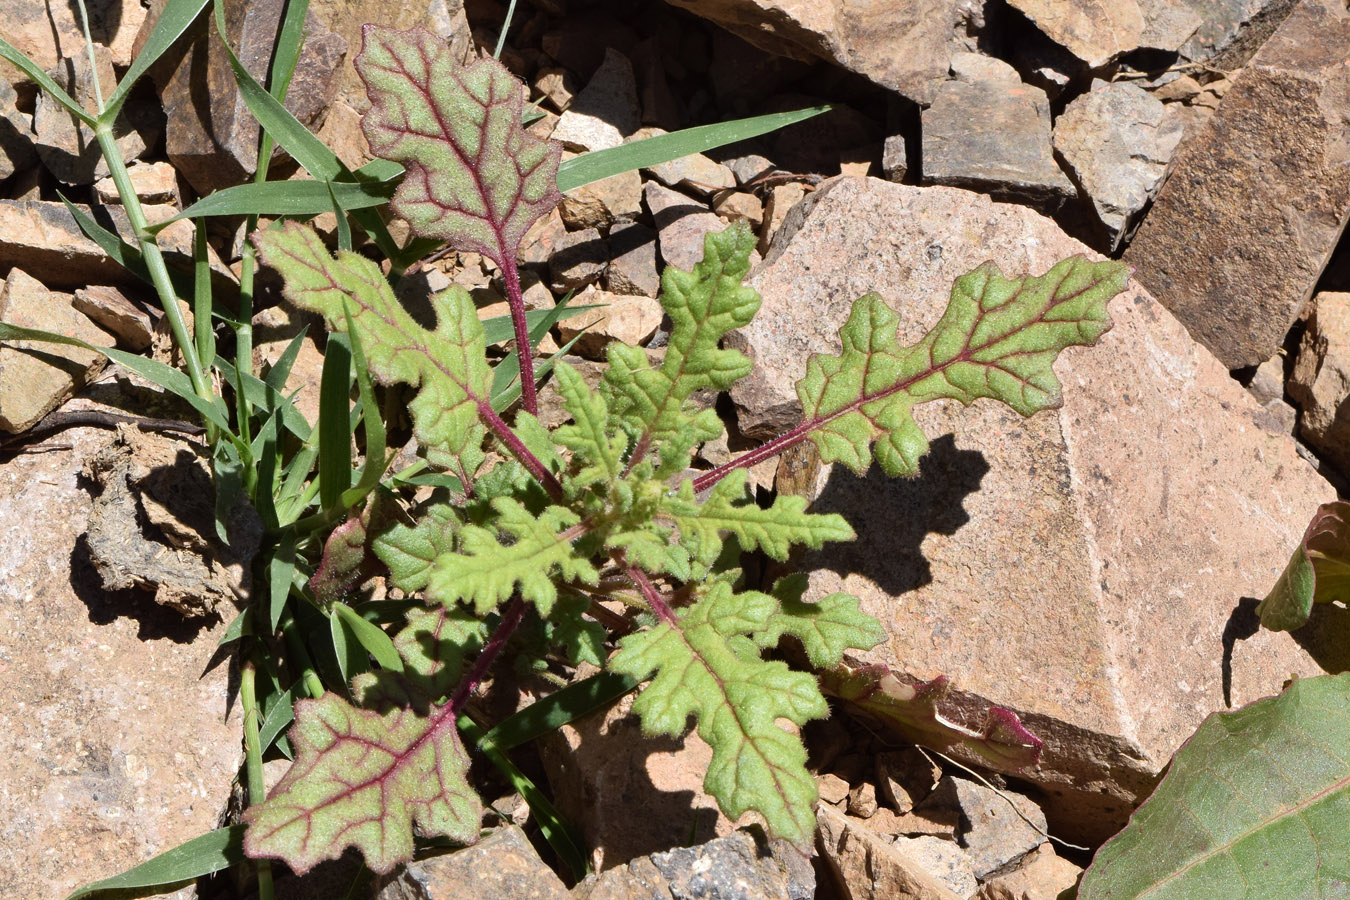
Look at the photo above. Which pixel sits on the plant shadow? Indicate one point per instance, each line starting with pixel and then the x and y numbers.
pixel 893 515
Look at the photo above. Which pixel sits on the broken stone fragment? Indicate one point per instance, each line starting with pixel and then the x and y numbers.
pixel 155 182
pixel 130 323
pixel 1256 201
pixel 152 527
pixel 867 866
pixel 1000 501
pixel 1320 383
pixel 17 152
pixel 49 32
pixel 993 136
pixel 681 223
pixel 1096 31
pixel 606 110
pixel 1041 875
pixel 742 865
pixel 36 377
pixel 998 827
pixel 628 318
pixel 632 264
pixel 600 203
pixel 579 259
pixel 502 866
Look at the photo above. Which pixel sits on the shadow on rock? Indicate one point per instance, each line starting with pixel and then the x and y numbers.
pixel 154 622
pixel 1326 637
pixel 893 515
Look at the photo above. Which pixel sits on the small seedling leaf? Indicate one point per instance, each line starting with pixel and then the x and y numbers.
pixel 1318 571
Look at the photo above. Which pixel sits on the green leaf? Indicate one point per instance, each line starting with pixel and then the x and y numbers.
pixel 1318 571
pixel 173 20
pixel 706 667
pixel 1254 806
pixel 596 452
pixel 285 198
pixel 485 572
pixel 411 550
pixel 601 164
pixel 826 627
pixel 729 509
pixel 550 713
pixel 447 364
pixel 433 646
pixel 376 642
pixel 43 80
pixel 474 178
pixel 210 852
pixel 365 779
pixel 335 438
pixel 703 306
pixel 997 339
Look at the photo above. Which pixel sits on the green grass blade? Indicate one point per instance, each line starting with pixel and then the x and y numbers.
pixel 239 626
pixel 263 396
pixel 278 717
pixel 173 20
pixel 280 576
pixel 165 376
pixel 289 40
pixel 201 295
pixel 344 227
pixel 372 637
pixel 335 436
pixel 122 253
pixel 287 198
pixel 589 167
pixel 202 855
pixel 347 650
pixel 29 68
pixel 561 836
pixel 559 708
pixel 281 369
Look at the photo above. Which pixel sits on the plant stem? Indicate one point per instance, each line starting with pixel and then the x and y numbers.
pixel 519 450
pixel 511 619
pixel 756 456
pixel 311 681
pixel 248 699
pixel 649 592
pixel 524 352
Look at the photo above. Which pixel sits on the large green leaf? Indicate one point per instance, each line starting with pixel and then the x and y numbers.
pixel 1255 806
pixel 1318 571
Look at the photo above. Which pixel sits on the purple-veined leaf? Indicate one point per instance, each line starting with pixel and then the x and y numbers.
pixel 1318 571
pixel 912 710
pixel 475 178
pixel 347 557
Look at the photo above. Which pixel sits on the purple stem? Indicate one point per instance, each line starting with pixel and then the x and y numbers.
pixel 520 451
pixel 756 456
pixel 524 353
pixel 510 622
pixel 649 592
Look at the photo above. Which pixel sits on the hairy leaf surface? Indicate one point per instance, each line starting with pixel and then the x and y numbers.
pixel 997 339
pixel 475 178
pixel 826 627
pixel 447 364
pixel 410 550
pixel 1318 571
pixel 707 666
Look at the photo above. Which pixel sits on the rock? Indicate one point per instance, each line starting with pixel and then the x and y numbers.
pixel 545 237
pixel 578 260
pixel 49 32
pixel 606 110
pixel 993 136
pixel 862 800
pixel 739 866
pixel 696 173
pixel 210 135
pixel 782 199
pixel 36 377
pixel 1320 382
pixel 155 182
pixel 1095 31
pixel 681 224
pixel 117 315
pixel 867 867
pixel 1153 535
pixel 905 777
pixel 818 145
pixel 833 789
pixel 502 866
pixel 945 860
pixel 100 771
pixel 976 67
pixel 557 85
pixel 598 204
pixel 749 167
pixel 1264 187
pixel 998 828
pixel 905 47
pixel 742 75
pixel 67 148
pixel 153 527
pixel 1040 876
pixel 740 207
pixel 632 264
pixel 17 152
pixel 627 318
pixel 1230 31
pixel 894 161
pixel 1117 140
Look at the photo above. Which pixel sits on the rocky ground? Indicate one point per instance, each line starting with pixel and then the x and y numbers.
pixel 1091 569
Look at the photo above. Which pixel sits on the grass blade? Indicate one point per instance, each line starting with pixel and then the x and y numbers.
pixel 589 167
pixel 559 708
pixel 287 198
pixel 335 436
pixel 372 637
pixel 29 68
pixel 173 20
pixel 202 855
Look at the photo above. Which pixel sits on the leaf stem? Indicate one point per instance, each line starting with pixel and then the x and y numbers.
pixel 649 591
pixel 524 352
pixel 511 620
pixel 756 456
pixel 519 450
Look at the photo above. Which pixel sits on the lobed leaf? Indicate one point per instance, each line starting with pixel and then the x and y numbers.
pixel 1254 805
pixel 598 451
pixel 707 666
pixel 703 306
pixel 826 627
pixel 1318 571
pixel 998 339
pixel 475 178
pixel 410 550
pixel 447 363
pixel 365 779
pixel 729 508
pixel 485 571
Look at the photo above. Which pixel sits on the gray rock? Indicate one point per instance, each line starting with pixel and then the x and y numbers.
pixel 740 866
pixel 943 859
pixel 67 148
pixel 600 203
pixel 502 866
pixel 1117 139
pixel 1230 31
pixel 118 742
pixel 993 137
pixel 578 260
pixel 976 67
pixel 606 111
pixel 1040 876
pixel 1320 383
pixel 155 182
pixel 1004 500
pixel 1255 203
pixel 749 167
pixel 894 162
pixel 997 828
pixel 16 134
pixel 696 173
pixel 632 264
pixel 681 223
pixel 36 377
